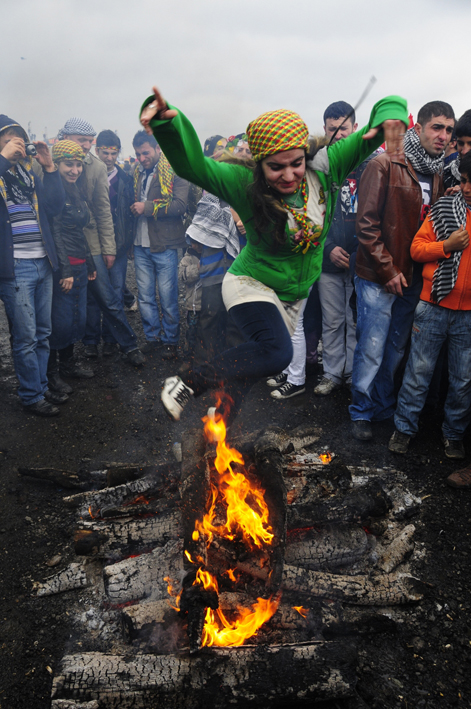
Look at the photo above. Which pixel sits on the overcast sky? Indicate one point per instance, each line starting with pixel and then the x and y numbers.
pixel 223 62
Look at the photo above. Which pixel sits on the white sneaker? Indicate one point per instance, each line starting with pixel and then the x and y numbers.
pixel 288 390
pixel 175 395
pixel 278 380
pixel 325 387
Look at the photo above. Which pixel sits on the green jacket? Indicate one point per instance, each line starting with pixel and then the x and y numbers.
pixel 290 274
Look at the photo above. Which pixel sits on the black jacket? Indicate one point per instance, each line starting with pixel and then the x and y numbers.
pixel 123 220
pixel 67 230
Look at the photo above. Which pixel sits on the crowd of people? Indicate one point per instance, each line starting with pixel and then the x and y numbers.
pixel 281 240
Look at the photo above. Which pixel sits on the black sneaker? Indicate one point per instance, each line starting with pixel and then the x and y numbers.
pixel 169 352
pixel 58 384
pixel 75 371
pixel 175 395
pixel 136 357
pixel 278 380
pixel 151 346
pixel 361 430
pixel 42 408
pixel 399 442
pixel 287 391
pixel 56 397
pixel 90 351
pixel 454 449
pixel 109 349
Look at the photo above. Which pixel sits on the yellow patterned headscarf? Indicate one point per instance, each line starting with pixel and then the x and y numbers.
pixel 166 177
pixel 275 132
pixel 67 150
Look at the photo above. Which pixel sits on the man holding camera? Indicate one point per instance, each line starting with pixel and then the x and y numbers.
pixel 27 258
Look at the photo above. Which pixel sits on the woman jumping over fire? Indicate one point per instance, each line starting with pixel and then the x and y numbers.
pixel 285 198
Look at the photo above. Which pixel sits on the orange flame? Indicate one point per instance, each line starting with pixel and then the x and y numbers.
pixel 325 457
pixel 246 510
pixel 302 611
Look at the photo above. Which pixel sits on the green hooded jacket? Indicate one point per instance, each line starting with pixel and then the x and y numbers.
pixel 290 274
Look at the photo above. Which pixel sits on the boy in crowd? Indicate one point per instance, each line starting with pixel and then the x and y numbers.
pixel 443 314
pixel 462 134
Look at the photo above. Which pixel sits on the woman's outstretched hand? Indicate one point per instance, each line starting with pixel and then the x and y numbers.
pixel 158 108
pixel 394 131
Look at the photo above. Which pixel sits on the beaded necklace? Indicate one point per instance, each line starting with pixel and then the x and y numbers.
pixel 307 235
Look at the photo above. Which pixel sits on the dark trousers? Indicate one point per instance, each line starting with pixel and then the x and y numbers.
pixel 267 351
pixel 217 331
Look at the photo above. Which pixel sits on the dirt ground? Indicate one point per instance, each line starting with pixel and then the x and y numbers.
pixel 117 416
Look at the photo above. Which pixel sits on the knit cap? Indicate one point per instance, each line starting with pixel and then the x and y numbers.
pixel 275 132
pixel 67 150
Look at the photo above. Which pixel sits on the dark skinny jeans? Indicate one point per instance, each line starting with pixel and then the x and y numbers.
pixel 267 351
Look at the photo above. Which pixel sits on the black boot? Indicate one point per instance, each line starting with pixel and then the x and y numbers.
pixel 55 382
pixel 68 367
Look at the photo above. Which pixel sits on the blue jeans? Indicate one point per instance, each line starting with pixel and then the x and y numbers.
pixel 384 322
pixel 101 292
pixel 163 269
pixel 69 310
pixel 27 299
pixel 433 325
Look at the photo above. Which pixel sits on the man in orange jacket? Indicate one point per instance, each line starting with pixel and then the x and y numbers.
pixel 443 314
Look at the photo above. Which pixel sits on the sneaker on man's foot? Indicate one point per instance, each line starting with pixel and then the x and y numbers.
pixel 325 387
pixel 175 395
pixel 278 380
pixel 399 442
pixel 287 391
pixel 136 357
pixel 90 351
pixel 42 408
pixel 58 384
pixel 361 430
pixel 56 397
pixel 454 449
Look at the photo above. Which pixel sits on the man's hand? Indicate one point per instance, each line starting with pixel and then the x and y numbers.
pixel 394 131
pixel 92 276
pixel 339 257
pixel 109 260
pixel 452 190
pixel 138 208
pixel 14 150
pixel 457 241
pixel 396 284
pixel 66 283
pixel 159 106
pixel 44 156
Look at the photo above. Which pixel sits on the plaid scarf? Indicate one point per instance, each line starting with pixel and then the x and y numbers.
pixel 166 177
pixel 21 186
pixel 447 215
pixel 276 131
pixel 418 156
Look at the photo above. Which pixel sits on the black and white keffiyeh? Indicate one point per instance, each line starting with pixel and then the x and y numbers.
pixel 447 215
pixel 418 157
pixel 76 126
pixel 214 226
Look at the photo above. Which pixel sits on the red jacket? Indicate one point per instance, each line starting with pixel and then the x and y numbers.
pixel 427 250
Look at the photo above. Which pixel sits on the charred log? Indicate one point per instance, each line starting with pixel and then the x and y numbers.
pixel 355 505
pixel 64 478
pixel 159 482
pixel 215 677
pixel 395 552
pixel 194 601
pixel 195 491
pixel 72 704
pixel 127 535
pixel 145 576
pixel 329 547
pixel 75 575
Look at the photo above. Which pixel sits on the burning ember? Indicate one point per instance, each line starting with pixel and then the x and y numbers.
pixel 247 520
pixel 325 457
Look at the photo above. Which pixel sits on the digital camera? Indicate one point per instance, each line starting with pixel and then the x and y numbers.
pixel 30 149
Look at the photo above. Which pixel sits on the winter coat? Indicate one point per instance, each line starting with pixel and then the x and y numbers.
pixel 93 183
pixel 69 238
pixel 390 208
pixel 289 273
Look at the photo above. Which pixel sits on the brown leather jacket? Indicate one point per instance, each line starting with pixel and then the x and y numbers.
pixel 388 218
pixel 167 231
